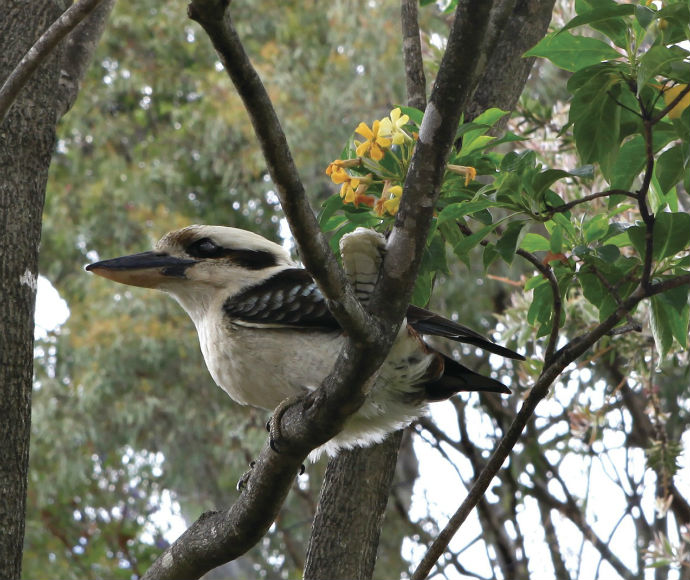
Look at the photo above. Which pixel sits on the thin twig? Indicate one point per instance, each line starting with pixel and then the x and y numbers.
pixel 668 108
pixel 40 50
pixel 547 272
pixel 592 196
pixel 647 217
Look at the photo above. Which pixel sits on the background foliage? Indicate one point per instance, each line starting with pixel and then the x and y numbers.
pixel 127 423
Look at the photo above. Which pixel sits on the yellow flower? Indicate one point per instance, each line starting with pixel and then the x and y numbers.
pixel 469 172
pixel 393 126
pixel 390 199
pixel 375 141
pixel 348 189
pixel 354 188
pixel 337 174
pixel 339 165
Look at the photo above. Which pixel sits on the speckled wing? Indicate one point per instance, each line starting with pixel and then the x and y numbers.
pixel 291 298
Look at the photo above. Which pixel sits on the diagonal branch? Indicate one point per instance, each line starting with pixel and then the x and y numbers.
pixel 40 50
pixel 314 249
pixel 586 199
pixel 569 353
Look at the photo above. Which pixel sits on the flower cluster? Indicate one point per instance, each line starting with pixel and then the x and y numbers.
pixel 379 156
pixel 379 164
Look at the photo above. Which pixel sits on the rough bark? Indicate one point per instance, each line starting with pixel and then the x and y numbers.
pixel 522 23
pixel 352 503
pixel 27 140
pixel 27 137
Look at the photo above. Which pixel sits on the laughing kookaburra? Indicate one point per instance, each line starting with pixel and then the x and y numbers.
pixel 266 332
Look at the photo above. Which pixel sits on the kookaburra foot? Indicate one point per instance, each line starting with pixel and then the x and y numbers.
pixel 242 483
pixel 275 434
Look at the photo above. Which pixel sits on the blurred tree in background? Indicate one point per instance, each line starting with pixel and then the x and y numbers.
pixel 130 435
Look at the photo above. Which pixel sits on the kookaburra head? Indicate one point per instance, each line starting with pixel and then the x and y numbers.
pixel 199 264
pixel 266 332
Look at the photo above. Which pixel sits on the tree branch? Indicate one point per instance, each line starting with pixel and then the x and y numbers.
pixel 40 50
pixel 412 55
pixel 320 415
pixel 570 352
pixel 469 45
pixel 570 510
pixel 587 198
pixel 79 49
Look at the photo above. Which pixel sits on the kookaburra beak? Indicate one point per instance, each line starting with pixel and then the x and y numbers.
pixel 147 269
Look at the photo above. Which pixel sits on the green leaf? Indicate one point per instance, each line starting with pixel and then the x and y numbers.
pixel 592 288
pixel 609 253
pixel 596 228
pixel 637 235
pixel 595 116
pixel 434 258
pixel 455 211
pixel 615 28
pixel 671 165
pixel 631 159
pixel 476 144
pixel 489 256
pixel 510 239
pixel 328 208
pixel 671 234
pixel 534 243
pixel 466 244
pixel 644 16
pixel 600 14
pixel 422 289
pixel 541 309
pixel 556 243
pixel 534 282
pixel 491 116
pixel 547 178
pixel 661 316
pixel 657 61
pixel 680 322
pixel 628 164
pixel 572 53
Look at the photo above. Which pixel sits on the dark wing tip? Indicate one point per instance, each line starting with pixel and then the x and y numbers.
pixel 427 322
pixel 457 378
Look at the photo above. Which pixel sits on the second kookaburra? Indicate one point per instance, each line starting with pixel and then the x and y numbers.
pixel 266 332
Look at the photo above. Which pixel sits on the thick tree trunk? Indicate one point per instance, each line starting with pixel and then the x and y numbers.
pixel 506 72
pixel 27 139
pixel 352 503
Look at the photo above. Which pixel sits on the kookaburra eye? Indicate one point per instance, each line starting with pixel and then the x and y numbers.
pixel 204 248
